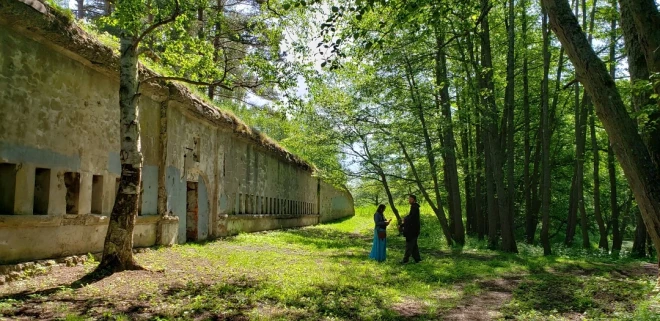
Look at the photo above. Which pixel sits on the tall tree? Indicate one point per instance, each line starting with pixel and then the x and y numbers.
pixel 449 148
pixel 545 138
pixel 640 99
pixel 135 21
pixel 494 155
pixel 617 237
pixel 118 246
pixel 641 174
pixel 509 240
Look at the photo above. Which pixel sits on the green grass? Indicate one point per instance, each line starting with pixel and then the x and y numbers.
pixel 322 273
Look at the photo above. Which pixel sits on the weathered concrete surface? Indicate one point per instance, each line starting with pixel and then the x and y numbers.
pixel 59 152
pixel 42 237
pixel 335 204
pixel 253 223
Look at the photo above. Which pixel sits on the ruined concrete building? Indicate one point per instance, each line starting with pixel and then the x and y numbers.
pixel 205 174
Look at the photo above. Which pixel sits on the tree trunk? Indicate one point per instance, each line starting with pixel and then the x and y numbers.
pixel 647 19
pixel 449 144
pixel 493 143
pixel 80 9
pixel 489 131
pixel 438 210
pixel 507 220
pixel 639 243
pixel 118 246
pixel 602 231
pixel 430 156
pixel 478 188
pixel 545 138
pixel 216 43
pixel 530 219
pixel 640 172
pixel 390 198
pixel 617 238
pixel 639 72
pixel 492 201
pixel 468 180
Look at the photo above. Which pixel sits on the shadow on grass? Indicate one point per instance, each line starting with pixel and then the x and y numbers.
pixel 232 300
pixel 88 278
pixel 235 299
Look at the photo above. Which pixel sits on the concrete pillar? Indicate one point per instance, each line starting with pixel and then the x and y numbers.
pixel 57 195
pixel 237 203
pixel 24 192
pixel 109 192
pixel 85 195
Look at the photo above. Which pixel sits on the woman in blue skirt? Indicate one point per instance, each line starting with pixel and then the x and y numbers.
pixel 378 250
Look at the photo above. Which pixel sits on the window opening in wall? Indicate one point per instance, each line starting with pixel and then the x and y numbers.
pixel 246 202
pixel 97 194
pixel 191 211
pixel 239 203
pixel 72 183
pixel 8 188
pixel 41 191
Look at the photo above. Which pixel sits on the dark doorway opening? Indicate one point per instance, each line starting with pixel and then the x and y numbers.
pixel 72 184
pixel 192 211
pixel 41 191
pixel 7 188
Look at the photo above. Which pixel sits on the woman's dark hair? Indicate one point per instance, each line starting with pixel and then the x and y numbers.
pixel 413 197
pixel 381 208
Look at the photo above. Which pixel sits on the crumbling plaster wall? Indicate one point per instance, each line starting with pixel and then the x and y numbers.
pixel 58 101
pixel 60 115
pixel 335 203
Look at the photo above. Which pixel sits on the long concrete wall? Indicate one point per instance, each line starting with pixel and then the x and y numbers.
pixel 205 173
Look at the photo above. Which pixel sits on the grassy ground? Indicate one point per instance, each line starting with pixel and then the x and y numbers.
pixel 322 273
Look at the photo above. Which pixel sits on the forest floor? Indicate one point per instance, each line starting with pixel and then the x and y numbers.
pixel 322 273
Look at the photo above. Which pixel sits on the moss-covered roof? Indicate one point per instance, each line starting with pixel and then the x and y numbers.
pixel 51 26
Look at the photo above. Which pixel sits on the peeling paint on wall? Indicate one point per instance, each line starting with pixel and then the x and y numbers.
pixel 203 211
pixel 12 153
pixel 149 190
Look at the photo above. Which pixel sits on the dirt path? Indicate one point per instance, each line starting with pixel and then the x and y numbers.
pixel 496 293
pixel 485 306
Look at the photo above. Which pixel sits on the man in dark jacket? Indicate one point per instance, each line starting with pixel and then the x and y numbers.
pixel 411 227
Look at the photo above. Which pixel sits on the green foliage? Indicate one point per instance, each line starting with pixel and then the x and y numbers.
pixel 322 272
pixel 61 9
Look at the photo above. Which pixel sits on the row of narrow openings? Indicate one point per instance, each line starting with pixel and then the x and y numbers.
pixel 253 204
pixel 42 191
